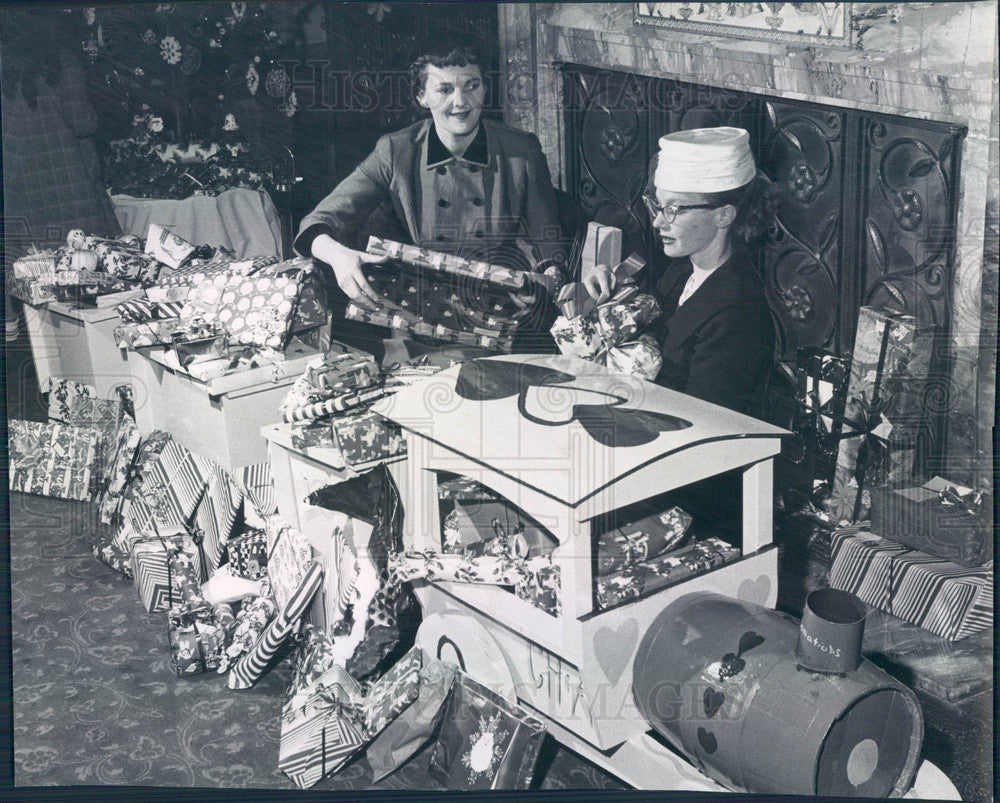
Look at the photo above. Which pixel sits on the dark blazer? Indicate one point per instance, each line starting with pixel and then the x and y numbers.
pixel 518 195
pixel 717 346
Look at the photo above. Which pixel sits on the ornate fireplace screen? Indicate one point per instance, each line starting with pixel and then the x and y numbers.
pixel 865 203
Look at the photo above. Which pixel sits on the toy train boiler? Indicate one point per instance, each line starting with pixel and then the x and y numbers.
pixel 574 446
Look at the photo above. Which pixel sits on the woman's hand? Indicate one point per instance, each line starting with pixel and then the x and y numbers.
pixel 346 264
pixel 599 281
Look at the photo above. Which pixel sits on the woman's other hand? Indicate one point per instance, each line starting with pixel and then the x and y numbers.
pixel 600 282
pixel 346 264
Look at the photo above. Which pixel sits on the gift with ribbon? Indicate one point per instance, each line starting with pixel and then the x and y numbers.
pixel 216 514
pixel 36 266
pixel 251 621
pixel 197 635
pixel 366 438
pixel 942 519
pixel 64 395
pixel 949 600
pixel 610 333
pixel 248 555
pixel 167 568
pixel 102 416
pixel 51 459
pixel 448 263
pixel 494 527
pixel 125 449
pixel 321 728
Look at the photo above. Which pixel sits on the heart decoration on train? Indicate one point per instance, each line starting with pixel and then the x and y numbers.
pixel 608 422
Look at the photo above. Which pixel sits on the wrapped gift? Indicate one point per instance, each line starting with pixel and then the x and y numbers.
pixel 939 518
pixel 949 600
pixel 216 514
pixel 337 371
pixel 602 246
pixel 885 395
pixel 310 310
pixel 108 551
pixel 103 416
pixel 289 557
pixel 64 395
pixel 197 632
pixel 166 247
pixel 31 291
pixel 167 569
pixel 398 319
pixel 315 655
pixel 473 525
pixel 485 742
pixel 204 299
pixel 39 267
pixel 125 450
pixel 248 555
pixel 251 621
pixel 142 309
pixel 124 258
pixel 348 400
pixel 51 459
pixel 448 263
pixel 393 692
pixel 258 488
pixel 662 571
pixel 322 732
pixel 258 310
pixel 642 539
pixel 541 588
pixel 310 434
pixel 366 438
pixel 251 666
pixel 141 334
pixel 503 570
pixel 465 489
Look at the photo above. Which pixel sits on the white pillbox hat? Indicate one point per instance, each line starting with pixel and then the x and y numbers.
pixel 705 160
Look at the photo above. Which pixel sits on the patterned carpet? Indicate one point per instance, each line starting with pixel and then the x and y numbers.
pixel 96 702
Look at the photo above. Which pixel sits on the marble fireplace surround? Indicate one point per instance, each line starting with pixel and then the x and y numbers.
pixel 931 61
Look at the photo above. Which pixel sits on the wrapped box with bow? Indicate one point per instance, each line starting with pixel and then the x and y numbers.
pixel 610 333
pixel 198 632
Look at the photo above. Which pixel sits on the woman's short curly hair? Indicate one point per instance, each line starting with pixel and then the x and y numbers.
pixel 458 57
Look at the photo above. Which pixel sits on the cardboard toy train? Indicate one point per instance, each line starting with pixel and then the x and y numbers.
pixel 703 660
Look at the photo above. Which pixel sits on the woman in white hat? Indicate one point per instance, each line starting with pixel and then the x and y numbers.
pixel 716 333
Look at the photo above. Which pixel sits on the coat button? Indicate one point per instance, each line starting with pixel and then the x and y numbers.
pixel 443 203
pixel 440 238
pixel 477 201
pixel 442 170
pixel 478 234
pixel 473 168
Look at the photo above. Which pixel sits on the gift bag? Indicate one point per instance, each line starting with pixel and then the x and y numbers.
pixel 484 742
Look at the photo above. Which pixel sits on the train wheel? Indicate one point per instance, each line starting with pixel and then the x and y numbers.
pixel 459 639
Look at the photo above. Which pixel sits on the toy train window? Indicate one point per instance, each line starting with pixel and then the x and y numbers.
pixel 658 542
pixel 487 529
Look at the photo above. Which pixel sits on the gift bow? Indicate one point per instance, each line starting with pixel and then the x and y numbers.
pixel 969 503
pixel 573 299
pixel 634 545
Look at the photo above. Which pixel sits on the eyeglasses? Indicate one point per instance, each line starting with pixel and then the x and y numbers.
pixel 670 212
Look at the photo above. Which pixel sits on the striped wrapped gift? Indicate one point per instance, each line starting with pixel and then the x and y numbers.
pixel 142 309
pixel 216 515
pixel 167 569
pixel 949 600
pixel 252 666
pixel 338 404
pixel 258 489
pixel 320 734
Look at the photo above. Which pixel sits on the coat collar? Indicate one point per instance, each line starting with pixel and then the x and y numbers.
pixel 437 154
pixel 720 289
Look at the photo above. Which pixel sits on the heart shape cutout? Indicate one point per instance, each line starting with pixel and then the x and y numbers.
pixel 613 648
pixel 707 741
pixel 732 665
pixel 749 640
pixel 490 380
pixel 755 591
pixel 712 701
pixel 622 426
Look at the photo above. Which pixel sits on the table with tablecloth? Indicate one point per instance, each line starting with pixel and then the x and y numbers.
pixel 241 220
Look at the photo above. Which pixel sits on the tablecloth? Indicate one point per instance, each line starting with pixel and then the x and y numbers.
pixel 244 221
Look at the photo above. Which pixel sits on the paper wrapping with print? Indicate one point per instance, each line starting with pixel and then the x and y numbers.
pixel 485 742
pixel 251 622
pixel 602 246
pixel 125 450
pixel 415 726
pixel 167 569
pixel 336 372
pixel 503 570
pixel 166 247
pixel 51 459
pixel 258 489
pixel 31 291
pixel 393 692
pixel 107 550
pixel 248 555
pixel 640 540
pixel 474 525
pixel 315 655
pixel 289 556
pixel 937 519
pixel 142 334
pixel 310 310
pixel 64 395
pixel 322 731
pixel 258 310
pixel 122 258
pixel 393 319
pixel 349 400
pixel 949 600
pixel 38 267
pixel 541 588
pixel 215 517
pixel 662 571
pixel 447 263
pixel 366 438
pixel 204 298
pixel 198 633
pixel 573 299
pixel 102 416
pixel 142 309
pixel 460 488
pixel 312 434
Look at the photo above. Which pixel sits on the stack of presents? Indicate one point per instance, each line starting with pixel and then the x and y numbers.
pixel 915 547
pixel 211 313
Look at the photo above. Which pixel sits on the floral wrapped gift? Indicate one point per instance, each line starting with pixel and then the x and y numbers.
pixel 642 539
pixel 251 622
pixel 125 450
pixel 393 692
pixel 31 291
pixel 485 742
pixel 662 571
pixel 366 438
pixel 248 555
pixel 64 395
pixel 198 633
pixel 167 570
pixel 949 600
pixel 51 459
pixel 504 570
pixel 314 656
pixel 321 732
pixel 541 588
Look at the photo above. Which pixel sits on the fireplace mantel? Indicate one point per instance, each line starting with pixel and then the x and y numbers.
pixel 931 61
